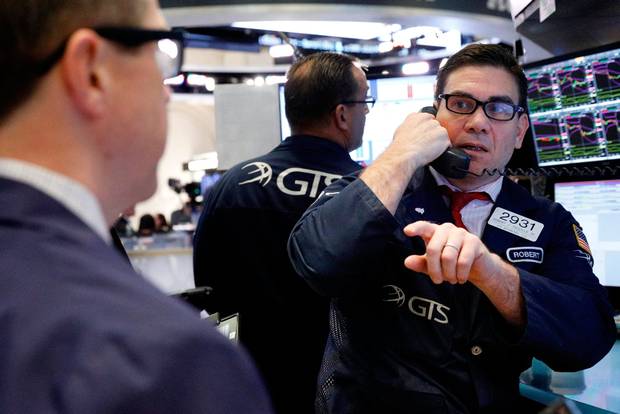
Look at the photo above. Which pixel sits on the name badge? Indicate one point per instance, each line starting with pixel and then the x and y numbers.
pixel 516 224
pixel 525 254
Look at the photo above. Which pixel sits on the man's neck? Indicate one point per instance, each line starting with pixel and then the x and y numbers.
pixel 473 183
pixel 325 133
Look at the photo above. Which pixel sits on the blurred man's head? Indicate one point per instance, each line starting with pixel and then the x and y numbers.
pixel 32 30
pixel 326 92
pixel 89 75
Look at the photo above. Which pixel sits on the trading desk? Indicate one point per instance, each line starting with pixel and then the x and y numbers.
pixel 595 390
pixel 163 259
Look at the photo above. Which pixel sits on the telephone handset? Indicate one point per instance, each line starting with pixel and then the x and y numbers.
pixel 454 162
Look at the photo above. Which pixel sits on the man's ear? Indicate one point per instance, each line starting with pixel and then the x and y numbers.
pixel 523 124
pixel 340 116
pixel 83 72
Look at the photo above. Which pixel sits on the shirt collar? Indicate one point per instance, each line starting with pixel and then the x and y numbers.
pixel 71 194
pixel 492 189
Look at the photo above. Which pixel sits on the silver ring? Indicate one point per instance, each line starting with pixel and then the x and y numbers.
pixel 450 245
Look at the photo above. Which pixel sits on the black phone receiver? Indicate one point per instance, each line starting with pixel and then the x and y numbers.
pixel 454 162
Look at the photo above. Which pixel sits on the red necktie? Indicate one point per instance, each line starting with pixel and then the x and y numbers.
pixel 458 200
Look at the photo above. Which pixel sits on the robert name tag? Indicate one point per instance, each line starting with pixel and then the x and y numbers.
pixel 531 254
pixel 516 224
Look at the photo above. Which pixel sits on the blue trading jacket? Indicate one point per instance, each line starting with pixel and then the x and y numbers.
pixel 399 343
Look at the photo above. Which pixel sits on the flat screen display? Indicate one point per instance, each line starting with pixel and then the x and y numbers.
pixel 596 206
pixel 574 107
pixel 396 98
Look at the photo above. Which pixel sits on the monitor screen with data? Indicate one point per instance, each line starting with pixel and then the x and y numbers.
pixel 596 206
pixel 574 107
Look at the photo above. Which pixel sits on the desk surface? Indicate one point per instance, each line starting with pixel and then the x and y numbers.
pixel 596 387
pixel 160 252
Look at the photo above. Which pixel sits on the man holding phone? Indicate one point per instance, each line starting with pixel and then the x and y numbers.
pixel 444 315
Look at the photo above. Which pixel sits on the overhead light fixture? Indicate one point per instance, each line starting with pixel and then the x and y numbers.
pixel 450 40
pixel 403 37
pixel 428 36
pixel 196 80
pixel 259 81
pixel 210 86
pixel 385 47
pixel 275 79
pixel 281 51
pixel 201 80
pixel 349 30
pixel 416 68
pixel 202 162
pixel 269 40
pixel 177 80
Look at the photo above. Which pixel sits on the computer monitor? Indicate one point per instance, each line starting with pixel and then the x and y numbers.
pixel 574 107
pixel 596 206
pixel 396 98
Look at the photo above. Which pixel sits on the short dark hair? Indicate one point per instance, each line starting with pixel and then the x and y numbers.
pixel 31 30
pixel 484 55
pixel 316 85
pixel 146 227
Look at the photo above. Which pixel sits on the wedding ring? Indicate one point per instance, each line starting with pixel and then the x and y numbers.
pixel 450 245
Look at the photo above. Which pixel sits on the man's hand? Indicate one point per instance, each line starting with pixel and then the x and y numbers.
pixel 417 141
pixel 420 139
pixel 454 255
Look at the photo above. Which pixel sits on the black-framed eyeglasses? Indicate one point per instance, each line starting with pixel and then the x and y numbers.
pixel 169 54
pixel 497 110
pixel 370 102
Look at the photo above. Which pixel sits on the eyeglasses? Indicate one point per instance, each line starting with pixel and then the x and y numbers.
pixel 169 54
pixel 497 110
pixel 370 102
pixel 170 45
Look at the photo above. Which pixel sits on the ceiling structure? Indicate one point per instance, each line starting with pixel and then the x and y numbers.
pixel 575 25
pixel 215 21
pixel 211 24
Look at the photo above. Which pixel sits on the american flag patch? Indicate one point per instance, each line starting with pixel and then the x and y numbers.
pixel 581 239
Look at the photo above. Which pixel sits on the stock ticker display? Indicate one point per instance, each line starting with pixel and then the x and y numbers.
pixel 574 107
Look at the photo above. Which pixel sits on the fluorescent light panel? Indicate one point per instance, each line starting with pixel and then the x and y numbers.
pixel 415 68
pixel 351 30
pixel 201 162
pixel 280 51
pixel 177 80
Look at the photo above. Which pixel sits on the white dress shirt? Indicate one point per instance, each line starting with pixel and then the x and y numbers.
pixel 476 213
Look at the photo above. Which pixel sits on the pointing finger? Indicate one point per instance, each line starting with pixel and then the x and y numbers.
pixel 423 229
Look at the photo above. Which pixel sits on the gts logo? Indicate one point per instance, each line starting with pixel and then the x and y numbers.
pixel 419 306
pixel 293 181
